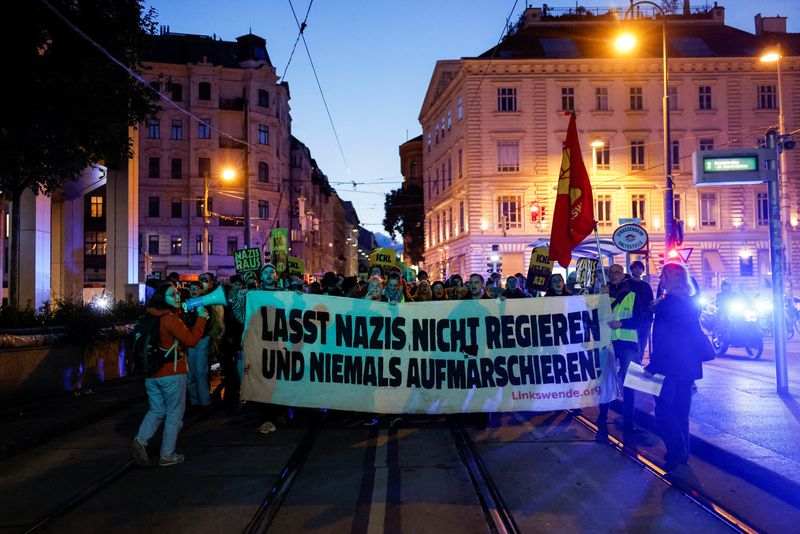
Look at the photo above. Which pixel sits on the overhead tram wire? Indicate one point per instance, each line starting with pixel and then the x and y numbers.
pixel 299 34
pixel 494 53
pixel 319 85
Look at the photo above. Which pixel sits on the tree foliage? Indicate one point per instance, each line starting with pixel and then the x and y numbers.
pixel 405 215
pixel 66 105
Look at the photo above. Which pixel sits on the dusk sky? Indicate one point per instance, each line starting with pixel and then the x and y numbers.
pixel 374 61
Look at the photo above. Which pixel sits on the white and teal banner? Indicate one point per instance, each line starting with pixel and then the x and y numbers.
pixel 434 357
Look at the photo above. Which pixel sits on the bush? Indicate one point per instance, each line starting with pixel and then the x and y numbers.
pixel 81 321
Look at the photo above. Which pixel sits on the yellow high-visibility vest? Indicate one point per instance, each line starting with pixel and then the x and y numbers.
pixel 624 310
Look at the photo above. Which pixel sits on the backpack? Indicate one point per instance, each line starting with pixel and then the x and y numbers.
pixel 149 357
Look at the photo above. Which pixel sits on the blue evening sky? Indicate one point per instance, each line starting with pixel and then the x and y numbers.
pixel 374 60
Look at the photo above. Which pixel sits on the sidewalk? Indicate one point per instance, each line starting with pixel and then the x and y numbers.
pixel 740 424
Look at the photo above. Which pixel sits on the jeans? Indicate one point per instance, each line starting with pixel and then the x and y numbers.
pixel 197 379
pixel 167 396
pixel 672 416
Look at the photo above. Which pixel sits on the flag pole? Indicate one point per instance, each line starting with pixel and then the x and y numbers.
pixel 599 253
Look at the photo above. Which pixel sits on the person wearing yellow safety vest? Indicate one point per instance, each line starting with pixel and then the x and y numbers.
pixel 628 311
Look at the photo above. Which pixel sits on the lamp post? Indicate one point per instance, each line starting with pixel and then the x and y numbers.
pixel 775 57
pixel 626 43
pixel 227 174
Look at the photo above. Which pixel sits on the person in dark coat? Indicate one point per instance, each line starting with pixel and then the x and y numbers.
pixel 679 348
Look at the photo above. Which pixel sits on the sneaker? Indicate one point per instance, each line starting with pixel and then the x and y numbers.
pixel 267 427
pixel 172 459
pixel 139 452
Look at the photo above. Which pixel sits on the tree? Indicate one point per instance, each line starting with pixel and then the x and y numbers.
pixel 67 105
pixel 405 215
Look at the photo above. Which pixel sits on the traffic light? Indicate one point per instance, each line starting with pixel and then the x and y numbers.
pixel 535 212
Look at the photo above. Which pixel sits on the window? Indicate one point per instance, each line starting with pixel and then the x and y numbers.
pixel 567 98
pixel 412 170
pixel 154 167
pixel 263 134
pixel 449 119
pixel 443 123
pixel 767 97
pixel 94 243
pixel 152 244
pixel 461 220
pixel 154 129
pixel 436 134
pixel 704 97
pixel 449 172
pixel 444 177
pixel 233 244
pixel 176 170
pixel 436 182
pixel 443 227
pixel 95 207
pixel 676 206
pixel 604 158
pixel 263 172
pixel 198 247
pixel 176 133
pixel 601 98
pixel 429 235
pixel 506 99
pixel 637 155
pixel 460 163
pixel 706 144
pixel 176 92
pixel 603 210
pixel 177 208
pixel 429 141
pixel 199 207
pixel 204 166
pixel 508 156
pixel 263 209
pixel 509 212
pixel 175 245
pixel 708 209
pixel 263 98
pixel 762 209
pixel 637 207
pixel 438 234
pixel 676 154
pixel 460 109
pixel 673 98
pixel 153 207
pixel 204 91
pixel 204 129
pixel 637 98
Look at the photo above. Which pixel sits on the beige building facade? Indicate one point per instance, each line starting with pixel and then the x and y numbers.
pixel 493 128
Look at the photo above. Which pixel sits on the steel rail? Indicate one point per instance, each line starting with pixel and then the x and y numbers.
pixel 497 513
pixel 272 502
pixel 695 495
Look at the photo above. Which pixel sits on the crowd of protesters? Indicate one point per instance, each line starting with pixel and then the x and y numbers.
pixel 215 334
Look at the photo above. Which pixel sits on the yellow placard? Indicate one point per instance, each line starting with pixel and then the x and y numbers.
pixel 385 257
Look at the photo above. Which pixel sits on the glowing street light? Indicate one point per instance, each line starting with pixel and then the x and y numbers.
pixel 227 175
pixel 625 43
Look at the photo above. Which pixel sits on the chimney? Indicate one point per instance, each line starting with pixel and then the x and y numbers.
pixel 776 24
pixel 687 10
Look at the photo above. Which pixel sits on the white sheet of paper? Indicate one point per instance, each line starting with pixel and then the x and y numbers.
pixel 636 379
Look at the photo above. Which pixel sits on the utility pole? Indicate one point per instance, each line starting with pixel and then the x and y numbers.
pixel 246 169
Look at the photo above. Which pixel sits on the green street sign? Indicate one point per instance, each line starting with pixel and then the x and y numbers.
pixel 731 164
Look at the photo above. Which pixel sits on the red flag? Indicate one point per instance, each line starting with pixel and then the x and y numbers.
pixel 573 216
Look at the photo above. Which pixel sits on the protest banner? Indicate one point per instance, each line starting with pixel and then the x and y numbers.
pixel 247 260
pixel 586 272
pixel 385 257
pixel 279 249
pixel 539 269
pixel 295 267
pixel 442 357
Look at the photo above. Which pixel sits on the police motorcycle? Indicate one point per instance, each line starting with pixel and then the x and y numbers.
pixel 791 311
pixel 735 324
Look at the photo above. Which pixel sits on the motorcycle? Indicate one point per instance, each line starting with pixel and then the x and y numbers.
pixel 735 326
pixel 791 310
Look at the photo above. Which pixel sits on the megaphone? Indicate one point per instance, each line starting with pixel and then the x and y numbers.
pixel 215 297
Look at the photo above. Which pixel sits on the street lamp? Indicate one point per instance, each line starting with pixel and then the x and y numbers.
pixel 625 43
pixel 595 145
pixel 775 57
pixel 227 175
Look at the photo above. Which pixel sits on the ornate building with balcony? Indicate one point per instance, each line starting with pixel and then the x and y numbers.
pixel 493 128
pixel 238 121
